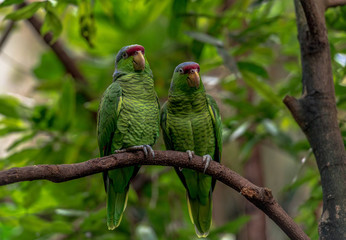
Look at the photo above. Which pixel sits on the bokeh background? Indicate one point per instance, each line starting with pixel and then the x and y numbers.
pixel 249 57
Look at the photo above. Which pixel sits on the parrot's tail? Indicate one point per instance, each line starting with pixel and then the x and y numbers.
pixel 200 214
pixel 116 204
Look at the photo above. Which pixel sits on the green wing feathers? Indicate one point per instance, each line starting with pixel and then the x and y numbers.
pixel 217 124
pixel 116 181
pixel 107 117
pixel 164 127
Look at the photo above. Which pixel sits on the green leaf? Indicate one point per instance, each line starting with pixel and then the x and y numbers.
pixel 107 7
pixel 262 88
pixel 33 223
pixel 232 226
pixel 246 149
pixel 21 140
pixel 270 127
pixel 145 232
pixel 11 125
pixel 178 8
pixel 239 131
pixel 31 194
pixel 205 38
pixel 93 221
pixel 308 176
pixel 9 106
pixel 92 105
pixel 25 12
pixel 253 68
pixel 73 2
pixel 60 227
pixel 49 61
pixel 52 24
pixel 199 39
pixel 87 24
pixel 22 157
pixel 10 2
pixel 229 61
pixel 9 130
pixel 66 105
pixel 70 212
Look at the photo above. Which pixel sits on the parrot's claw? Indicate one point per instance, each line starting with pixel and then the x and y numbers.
pixel 149 148
pixel 191 154
pixel 206 158
pixel 145 148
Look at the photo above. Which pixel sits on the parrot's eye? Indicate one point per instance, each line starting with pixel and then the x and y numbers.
pixel 125 55
pixel 181 71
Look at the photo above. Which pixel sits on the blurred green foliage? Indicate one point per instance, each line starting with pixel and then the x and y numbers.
pixel 257 43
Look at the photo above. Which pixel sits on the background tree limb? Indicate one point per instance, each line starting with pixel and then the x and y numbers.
pixel 6 34
pixel 316 114
pixel 261 197
pixel 334 3
pixel 60 51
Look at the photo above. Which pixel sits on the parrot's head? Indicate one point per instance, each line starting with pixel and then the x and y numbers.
pixel 131 59
pixel 186 79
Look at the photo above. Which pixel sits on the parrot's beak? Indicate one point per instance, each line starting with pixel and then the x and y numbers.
pixel 138 61
pixel 193 79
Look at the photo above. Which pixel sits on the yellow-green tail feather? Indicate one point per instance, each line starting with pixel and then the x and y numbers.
pixel 116 205
pixel 200 215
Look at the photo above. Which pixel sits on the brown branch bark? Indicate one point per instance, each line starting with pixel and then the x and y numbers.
pixel 334 3
pixel 260 197
pixel 314 15
pixel 6 34
pixel 58 48
pixel 316 114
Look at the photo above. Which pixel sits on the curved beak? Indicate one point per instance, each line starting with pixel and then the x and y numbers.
pixel 138 61
pixel 193 79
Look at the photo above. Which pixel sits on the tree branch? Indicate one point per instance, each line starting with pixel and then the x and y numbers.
pixel 6 34
pixel 59 50
pixel 334 3
pixel 314 15
pixel 316 114
pixel 261 197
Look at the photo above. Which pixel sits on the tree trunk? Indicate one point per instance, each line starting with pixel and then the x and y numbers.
pixel 316 114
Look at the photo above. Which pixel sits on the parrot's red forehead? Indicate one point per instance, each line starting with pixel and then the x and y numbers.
pixel 131 50
pixel 187 68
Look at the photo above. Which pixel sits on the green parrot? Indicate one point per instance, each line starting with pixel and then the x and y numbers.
pixel 191 122
pixel 128 119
